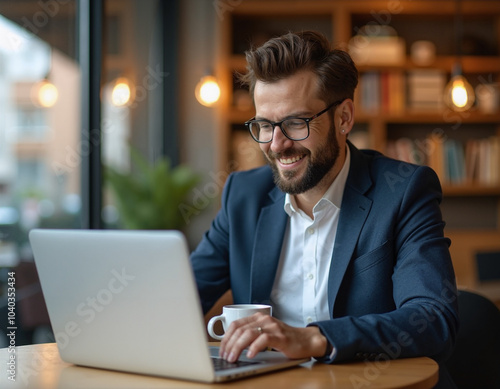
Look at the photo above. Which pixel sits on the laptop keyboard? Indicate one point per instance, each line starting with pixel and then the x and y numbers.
pixel 222 364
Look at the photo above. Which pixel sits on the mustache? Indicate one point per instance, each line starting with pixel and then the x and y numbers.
pixel 287 153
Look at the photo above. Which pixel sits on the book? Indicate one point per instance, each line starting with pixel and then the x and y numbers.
pixel 435 158
pixel 454 162
pixel 381 92
pixel 471 161
pixel 426 89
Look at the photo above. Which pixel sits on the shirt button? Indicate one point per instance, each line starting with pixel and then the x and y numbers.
pixel 309 320
pixel 311 231
pixel 310 276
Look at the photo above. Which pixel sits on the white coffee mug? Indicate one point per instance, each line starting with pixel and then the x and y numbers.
pixel 234 312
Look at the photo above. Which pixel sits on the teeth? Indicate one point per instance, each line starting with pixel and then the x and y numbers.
pixel 287 161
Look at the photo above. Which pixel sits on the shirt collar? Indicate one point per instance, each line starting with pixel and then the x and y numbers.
pixel 333 194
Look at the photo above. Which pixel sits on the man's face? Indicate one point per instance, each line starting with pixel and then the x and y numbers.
pixel 298 166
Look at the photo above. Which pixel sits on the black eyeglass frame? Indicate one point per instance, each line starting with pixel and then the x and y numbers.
pixel 280 124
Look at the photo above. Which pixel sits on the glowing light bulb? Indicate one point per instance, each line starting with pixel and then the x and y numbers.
pixel 121 93
pixel 210 92
pixel 47 94
pixel 459 94
pixel 207 91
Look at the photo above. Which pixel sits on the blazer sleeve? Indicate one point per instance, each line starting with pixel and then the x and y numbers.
pixel 210 260
pixel 425 320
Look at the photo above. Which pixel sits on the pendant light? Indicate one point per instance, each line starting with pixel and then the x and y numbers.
pixel 121 93
pixel 207 91
pixel 46 93
pixel 458 93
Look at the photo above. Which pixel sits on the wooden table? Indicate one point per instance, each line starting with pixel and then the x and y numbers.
pixel 40 367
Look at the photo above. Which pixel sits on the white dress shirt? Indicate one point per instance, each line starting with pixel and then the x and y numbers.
pixel 300 291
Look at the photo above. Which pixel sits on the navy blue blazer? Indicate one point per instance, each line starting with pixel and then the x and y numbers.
pixel 391 289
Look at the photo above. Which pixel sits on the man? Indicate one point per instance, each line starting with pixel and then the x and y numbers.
pixel 346 245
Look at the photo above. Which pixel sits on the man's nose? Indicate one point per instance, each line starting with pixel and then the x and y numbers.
pixel 280 141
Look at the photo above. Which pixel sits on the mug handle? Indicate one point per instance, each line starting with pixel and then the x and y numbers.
pixel 210 327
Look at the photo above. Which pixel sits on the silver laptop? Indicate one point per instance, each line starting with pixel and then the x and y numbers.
pixel 127 300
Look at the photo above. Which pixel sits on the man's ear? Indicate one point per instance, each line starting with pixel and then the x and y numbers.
pixel 345 117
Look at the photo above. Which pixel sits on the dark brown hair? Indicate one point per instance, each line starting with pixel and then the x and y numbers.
pixel 283 56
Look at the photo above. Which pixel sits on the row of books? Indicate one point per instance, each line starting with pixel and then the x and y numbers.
pixel 394 92
pixel 477 161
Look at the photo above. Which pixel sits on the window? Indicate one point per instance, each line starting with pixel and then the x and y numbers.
pixel 60 62
pixel 40 101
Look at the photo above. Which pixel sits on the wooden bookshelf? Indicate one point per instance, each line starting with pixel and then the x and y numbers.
pixel 254 21
pixel 466 190
pixel 470 64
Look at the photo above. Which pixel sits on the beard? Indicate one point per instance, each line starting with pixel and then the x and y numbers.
pixel 317 168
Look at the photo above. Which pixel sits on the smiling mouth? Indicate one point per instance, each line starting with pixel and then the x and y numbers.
pixel 290 160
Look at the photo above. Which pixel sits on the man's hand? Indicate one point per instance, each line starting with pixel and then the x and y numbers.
pixel 260 331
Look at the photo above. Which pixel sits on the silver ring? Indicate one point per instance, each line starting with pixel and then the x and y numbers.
pixel 260 330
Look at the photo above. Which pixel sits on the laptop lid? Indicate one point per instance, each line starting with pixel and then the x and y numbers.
pixel 127 300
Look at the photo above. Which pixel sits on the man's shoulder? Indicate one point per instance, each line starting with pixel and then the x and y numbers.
pixel 389 174
pixel 261 176
pixel 380 163
pixel 251 186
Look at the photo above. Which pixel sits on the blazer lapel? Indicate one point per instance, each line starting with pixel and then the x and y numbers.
pixel 267 248
pixel 353 213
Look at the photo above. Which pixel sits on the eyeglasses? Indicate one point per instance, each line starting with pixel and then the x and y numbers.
pixel 296 129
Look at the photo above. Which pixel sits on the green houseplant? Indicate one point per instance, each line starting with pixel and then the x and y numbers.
pixel 150 197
